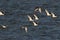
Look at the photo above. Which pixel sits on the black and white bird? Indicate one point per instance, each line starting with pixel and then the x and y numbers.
pixel 35 24
pixel 30 19
pixel 3 26
pixel 53 15
pixel 47 12
pixel 36 18
pixel 1 14
pixel 37 9
pixel 25 28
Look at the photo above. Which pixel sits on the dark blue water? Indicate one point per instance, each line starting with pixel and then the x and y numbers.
pixel 15 17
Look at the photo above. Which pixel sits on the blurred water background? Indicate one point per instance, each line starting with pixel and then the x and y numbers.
pixel 15 17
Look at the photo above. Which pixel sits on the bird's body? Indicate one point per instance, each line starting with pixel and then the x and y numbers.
pixel 3 26
pixel 26 29
pixel 53 15
pixel 38 9
pixel 36 18
pixel 1 13
pixel 35 24
pixel 30 19
pixel 47 13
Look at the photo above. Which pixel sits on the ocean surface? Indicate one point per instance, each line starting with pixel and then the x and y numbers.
pixel 15 18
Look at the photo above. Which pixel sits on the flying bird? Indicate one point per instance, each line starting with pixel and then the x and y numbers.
pixel 47 13
pixel 38 9
pixel 35 24
pixel 36 17
pixel 53 15
pixel 3 26
pixel 1 14
pixel 30 19
pixel 26 29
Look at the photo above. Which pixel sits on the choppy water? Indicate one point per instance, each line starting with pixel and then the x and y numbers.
pixel 15 17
